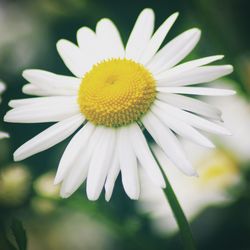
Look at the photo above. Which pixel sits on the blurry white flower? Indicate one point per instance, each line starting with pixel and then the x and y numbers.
pixel 14 184
pixel 236 116
pixel 43 206
pixel 2 89
pixel 45 187
pixel 114 91
pixel 217 171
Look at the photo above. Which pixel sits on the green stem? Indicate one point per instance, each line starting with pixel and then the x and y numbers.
pixel 179 215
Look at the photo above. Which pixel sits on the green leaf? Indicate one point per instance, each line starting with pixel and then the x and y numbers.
pixel 19 234
pixel 5 243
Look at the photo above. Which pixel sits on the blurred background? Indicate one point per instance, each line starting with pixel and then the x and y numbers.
pixel 217 205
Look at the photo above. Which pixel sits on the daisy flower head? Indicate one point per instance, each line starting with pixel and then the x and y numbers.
pixel 117 91
pixel 2 89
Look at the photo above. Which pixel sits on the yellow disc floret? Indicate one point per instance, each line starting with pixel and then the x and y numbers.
pixel 219 170
pixel 116 92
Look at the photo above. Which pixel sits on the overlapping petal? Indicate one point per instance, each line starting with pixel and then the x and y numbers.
pixel 49 137
pixel 37 111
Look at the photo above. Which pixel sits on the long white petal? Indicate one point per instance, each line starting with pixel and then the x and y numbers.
pixel 144 155
pixel 197 75
pixel 47 80
pixel 181 128
pixel 49 137
pixel 112 174
pixel 191 104
pixel 51 100
pixel 49 112
pixel 88 44
pixel 76 176
pixel 109 40
pixel 77 173
pixel 174 51
pixel 197 91
pixel 128 164
pixel 192 119
pixel 77 146
pixel 31 89
pixel 72 57
pixel 79 170
pixel 168 142
pixel 193 64
pixel 157 39
pixel 100 163
pixel 140 35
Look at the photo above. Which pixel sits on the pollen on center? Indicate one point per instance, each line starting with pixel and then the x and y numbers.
pixel 116 92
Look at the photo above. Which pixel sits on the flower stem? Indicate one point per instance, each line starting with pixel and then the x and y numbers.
pixel 179 215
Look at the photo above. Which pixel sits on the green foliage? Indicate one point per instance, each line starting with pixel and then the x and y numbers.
pixel 19 234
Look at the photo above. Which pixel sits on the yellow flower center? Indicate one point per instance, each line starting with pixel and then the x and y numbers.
pixel 116 92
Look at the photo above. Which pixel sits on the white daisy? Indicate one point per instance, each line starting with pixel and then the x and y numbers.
pixel 218 171
pixel 117 91
pixel 236 115
pixel 2 89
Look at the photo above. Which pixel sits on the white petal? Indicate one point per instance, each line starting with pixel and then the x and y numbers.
pixel 109 40
pixel 174 51
pixel 4 135
pixel 31 89
pixel 47 80
pixel 192 119
pixel 168 142
pixel 144 155
pixel 72 57
pixel 44 111
pixel 197 75
pixel 140 35
pixel 128 164
pixel 181 128
pixel 40 101
pixel 193 64
pixel 49 137
pixel 88 43
pixel 191 104
pixel 72 153
pixel 79 168
pixel 85 37
pixel 76 176
pixel 197 91
pixel 100 163
pixel 112 174
pixel 157 39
